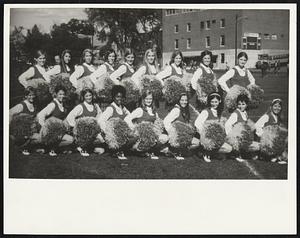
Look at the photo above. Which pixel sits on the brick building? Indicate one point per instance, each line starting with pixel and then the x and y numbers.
pixel 254 31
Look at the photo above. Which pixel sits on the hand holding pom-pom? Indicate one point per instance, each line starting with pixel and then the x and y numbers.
pixel 173 89
pixel 240 137
pixel 84 82
pixel 149 82
pixel 52 131
pixel 103 88
pixel 257 96
pixel 132 93
pixel 147 138
pixel 181 135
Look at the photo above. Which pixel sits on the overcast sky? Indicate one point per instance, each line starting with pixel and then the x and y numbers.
pixel 44 18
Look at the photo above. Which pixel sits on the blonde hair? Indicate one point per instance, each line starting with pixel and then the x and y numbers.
pixel 146 61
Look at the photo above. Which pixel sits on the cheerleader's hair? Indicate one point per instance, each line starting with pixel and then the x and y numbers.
pixel 129 51
pixel 59 88
pixel 107 53
pixel 242 98
pixel 243 54
pixel 118 89
pixel 185 112
pixel 275 101
pixel 62 62
pixel 216 95
pixel 145 94
pixel 146 61
pixel 29 90
pixel 84 92
pixel 204 53
pixel 82 60
pixel 37 54
pixel 175 53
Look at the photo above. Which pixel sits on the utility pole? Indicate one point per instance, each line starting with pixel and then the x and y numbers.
pixel 235 45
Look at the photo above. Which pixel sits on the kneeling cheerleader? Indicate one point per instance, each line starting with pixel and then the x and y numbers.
pixel 83 120
pixel 111 121
pixel 272 134
pixel 146 126
pixel 54 129
pixel 211 128
pixel 180 129
pixel 240 130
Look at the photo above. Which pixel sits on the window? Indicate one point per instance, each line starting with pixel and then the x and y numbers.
pixel 266 36
pixel 188 27
pixel 176 44
pixel 207 25
pixel 222 40
pixel 222 58
pixel 176 29
pixel 187 10
pixel 222 23
pixel 188 43
pixel 170 12
pixel 207 41
pixel 274 37
pixel 213 21
pixel 202 25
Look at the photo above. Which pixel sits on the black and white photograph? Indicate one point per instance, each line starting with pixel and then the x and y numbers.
pixel 148 93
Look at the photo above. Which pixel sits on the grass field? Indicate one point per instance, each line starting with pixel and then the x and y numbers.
pixel 73 166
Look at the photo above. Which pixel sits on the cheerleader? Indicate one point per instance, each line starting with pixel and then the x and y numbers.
pixel 115 110
pixel 87 108
pixel 85 69
pixel 150 67
pixel 36 71
pixel 146 113
pixel 125 70
pixel 63 67
pixel 106 68
pixel 56 109
pixel 271 117
pixel 211 113
pixel 181 113
pixel 175 67
pixel 238 75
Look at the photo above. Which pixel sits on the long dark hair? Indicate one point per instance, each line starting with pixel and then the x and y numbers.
pixel 85 91
pixel 175 53
pixel 185 111
pixel 279 116
pixel 63 64
pixel 204 53
pixel 107 53
pixel 142 104
pixel 210 97
pixel 82 60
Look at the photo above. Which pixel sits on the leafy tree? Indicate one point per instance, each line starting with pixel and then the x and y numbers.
pixel 17 41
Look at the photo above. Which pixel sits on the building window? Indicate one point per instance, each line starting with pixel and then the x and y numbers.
pixel 207 41
pixel 187 10
pixel 207 25
pixel 266 36
pixel 176 29
pixel 222 40
pixel 176 44
pixel 213 21
pixel 222 58
pixel 274 37
pixel 188 43
pixel 202 25
pixel 222 23
pixel 170 12
pixel 188 27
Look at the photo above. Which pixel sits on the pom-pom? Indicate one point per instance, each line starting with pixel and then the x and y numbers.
pixel 22 127
pixel 147 138
pixel 212 135
pixel 52 131
pixel 173 89
pixel 205 86
pixel 158 126
pixel 273 140
pixel 257 96
pixel 132 93
pixel 186 81
pixel 240 137
pixel 84 82
pixel 43 95
pixel 149 82
pixel 231 97
pixel 117 133
pixel 85 131
pixel 103 88
pixel 181 135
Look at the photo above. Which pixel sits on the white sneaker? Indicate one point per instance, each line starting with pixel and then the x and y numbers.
pixel 179 157
pixel 52 153
pixel 25 152
pixel 282 162
pixel 239 159
pixel 255 157
pixel 99 150
pixel 153 156
pixel 273 160
pixel 121 156
pixel 207 158
pixel 84 153
pixel 40 151
pixel 165 150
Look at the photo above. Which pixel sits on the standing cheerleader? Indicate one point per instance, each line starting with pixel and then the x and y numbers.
pixel 238 75
pixel 108 66
pixel 36 71
pixel 64 66
pixel 146 113
pixel 175 67
pixel 204 80
pixel 115 110
pixel 181 113
pixel 125 70
pixel 57 110
pixel 85 69
pixel 87 108
pixel 150 67
pixel 212 114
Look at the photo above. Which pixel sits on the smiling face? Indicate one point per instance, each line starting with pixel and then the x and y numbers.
pixel 41 60
pixel 150 57
pixel 67 58
pixel 30 97
pixel 214 103
pixel 129 59
pixel 276 108
pixel 242 61
pixel 177 60
pixel 119 99
pixel 88 57
pixel 148 100
pixel 111 58
pixel 206 60
pixel 60 95
pixel 88 97
pixel 183 101
pixel 242 105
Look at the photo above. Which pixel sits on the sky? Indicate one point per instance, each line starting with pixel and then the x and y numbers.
pixel 44 18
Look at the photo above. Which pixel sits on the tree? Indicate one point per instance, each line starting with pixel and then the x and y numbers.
pixel 17 41
pixel 125 27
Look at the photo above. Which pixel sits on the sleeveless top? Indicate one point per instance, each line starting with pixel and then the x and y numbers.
pixel 207 75
pixel 128 73
pixel 146 117
pixel 237 79
pixel 116 114
pixel 57 112
pixel 211 116
pixel 271 120
pixel 26 110
pixel 86 112
pixel 148 70
pixel 108 70
pixel 180 118
pixel 86 71
pixel 174 72
pixel 37 73
pixel 62 70
pixel 239 117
